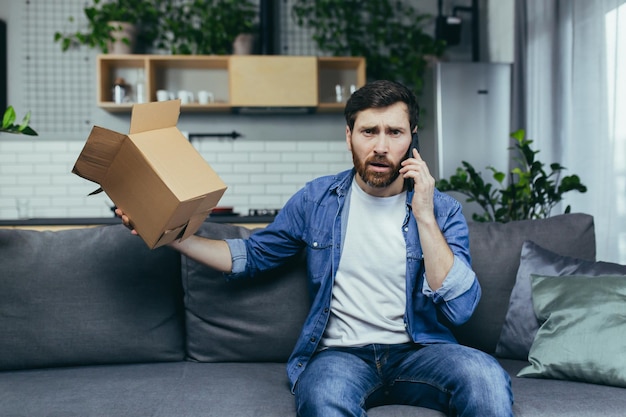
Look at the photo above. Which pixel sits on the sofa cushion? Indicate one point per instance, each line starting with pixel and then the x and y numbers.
pixel 495 249
pixel 583 332
pixel 242 320
pixel 521 325
pixel 180 389
pixel 174 389
pixel 87 296
pixel 560 398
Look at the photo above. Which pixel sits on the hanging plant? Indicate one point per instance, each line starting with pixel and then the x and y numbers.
pixel 105 19
pixel 532 192
pixel 204 26
pixel 389 34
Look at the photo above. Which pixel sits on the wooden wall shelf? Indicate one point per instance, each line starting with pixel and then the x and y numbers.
pixel 235 81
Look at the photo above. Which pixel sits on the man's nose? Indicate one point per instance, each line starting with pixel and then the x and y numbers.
pixel 382 144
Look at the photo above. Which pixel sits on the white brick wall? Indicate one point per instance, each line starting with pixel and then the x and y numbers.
pixel 261 174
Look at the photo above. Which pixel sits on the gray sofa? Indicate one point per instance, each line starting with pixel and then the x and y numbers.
pixel 92 323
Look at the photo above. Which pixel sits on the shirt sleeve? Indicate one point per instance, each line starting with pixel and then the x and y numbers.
pixel 458 281
pixel 238 257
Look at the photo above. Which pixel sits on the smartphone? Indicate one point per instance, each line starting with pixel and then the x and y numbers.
pixel 415 144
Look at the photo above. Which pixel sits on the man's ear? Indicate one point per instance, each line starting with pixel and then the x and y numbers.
pixel 349 138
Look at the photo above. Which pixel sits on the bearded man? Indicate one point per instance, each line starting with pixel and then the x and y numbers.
pixel 389 275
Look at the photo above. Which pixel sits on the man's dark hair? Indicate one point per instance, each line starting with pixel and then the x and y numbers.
pixel 379 94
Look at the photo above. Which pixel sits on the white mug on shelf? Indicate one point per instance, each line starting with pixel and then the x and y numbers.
pixel 340 93
pixel 163 95
pixel 185 97
pixel 205 97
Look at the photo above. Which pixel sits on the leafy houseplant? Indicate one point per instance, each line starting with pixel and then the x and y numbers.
pixel 204 26
pixel 106 19
pixel 183 27
pixel 532 192
pixel 9 126
pixel 388 33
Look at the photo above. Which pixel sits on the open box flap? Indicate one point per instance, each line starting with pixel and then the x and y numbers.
pixel 197 210
pixel 202 212
pixel 194 224
pixel 154 116
pixel 166 237
pixel 99 151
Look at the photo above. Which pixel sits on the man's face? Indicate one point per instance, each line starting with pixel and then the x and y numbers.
pixel 379 142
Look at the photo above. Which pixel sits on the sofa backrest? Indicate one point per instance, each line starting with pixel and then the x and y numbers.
pixel 97 296
pixel 242 320
pixel 87 296
pixel 261 319
pixel 495 249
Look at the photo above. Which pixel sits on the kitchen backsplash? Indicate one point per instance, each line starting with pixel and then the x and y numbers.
pixel 35 176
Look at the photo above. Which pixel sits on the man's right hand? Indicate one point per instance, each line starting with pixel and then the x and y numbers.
pixel 125 220
pixel 213 253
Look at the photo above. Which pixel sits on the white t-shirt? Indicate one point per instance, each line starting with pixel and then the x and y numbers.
pixel 369 293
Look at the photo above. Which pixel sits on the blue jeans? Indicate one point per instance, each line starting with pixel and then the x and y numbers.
pixel 455 379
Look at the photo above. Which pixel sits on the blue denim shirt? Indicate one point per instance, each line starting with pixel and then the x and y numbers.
pixel 312 220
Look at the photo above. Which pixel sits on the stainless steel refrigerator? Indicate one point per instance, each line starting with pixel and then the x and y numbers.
pixel 465 116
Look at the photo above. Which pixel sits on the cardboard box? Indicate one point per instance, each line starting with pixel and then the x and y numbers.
pixel 153 174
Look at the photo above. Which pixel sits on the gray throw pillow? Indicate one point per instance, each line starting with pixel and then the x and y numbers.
pixel 520 324
pixel 245 320
pixel 87 296
pixel 495 249
pixel 583 332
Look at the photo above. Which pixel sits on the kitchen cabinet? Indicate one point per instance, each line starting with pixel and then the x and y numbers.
pixel 234 82
pixel 346 72
pixel 273 81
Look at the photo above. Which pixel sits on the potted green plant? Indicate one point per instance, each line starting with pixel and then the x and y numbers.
pixel 532 192
pixel 114 23
pixel 389 34
pixel 9 126
pixel 204 26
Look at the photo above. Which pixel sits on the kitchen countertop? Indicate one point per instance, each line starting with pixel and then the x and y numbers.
pixel 84 221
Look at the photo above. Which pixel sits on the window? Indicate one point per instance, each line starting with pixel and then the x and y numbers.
pixel 615 24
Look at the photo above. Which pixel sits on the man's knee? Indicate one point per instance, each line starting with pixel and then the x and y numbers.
pixel 333 398
pixel 484 386
pixel 334 384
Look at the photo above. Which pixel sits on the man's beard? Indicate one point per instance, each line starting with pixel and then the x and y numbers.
pixel 372 178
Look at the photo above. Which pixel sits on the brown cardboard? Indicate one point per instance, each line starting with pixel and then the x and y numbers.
pixel 153 174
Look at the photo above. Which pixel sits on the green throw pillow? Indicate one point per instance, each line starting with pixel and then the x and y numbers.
pixel 583 332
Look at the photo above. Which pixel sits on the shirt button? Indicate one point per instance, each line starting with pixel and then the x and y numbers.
pixel 315 244
pixel 313 340
pixel 299 364
pixel 326 310
pixel 406 229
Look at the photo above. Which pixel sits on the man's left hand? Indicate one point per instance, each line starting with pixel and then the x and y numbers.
pixel 424 185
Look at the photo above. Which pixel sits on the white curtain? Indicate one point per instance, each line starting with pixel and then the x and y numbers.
pixel 570 96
